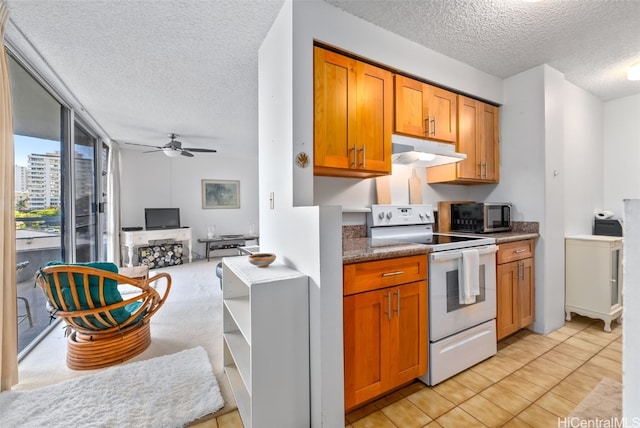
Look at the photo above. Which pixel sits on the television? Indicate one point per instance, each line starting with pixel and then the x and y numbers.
pixel 161 218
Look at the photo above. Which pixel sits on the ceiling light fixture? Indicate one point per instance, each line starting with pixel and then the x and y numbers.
pixel 634 72
pixel 171 153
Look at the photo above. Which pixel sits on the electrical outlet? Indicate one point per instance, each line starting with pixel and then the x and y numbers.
pixel 271 200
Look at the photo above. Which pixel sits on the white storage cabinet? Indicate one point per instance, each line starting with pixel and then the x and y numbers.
pixel 593 277
pixel 266 342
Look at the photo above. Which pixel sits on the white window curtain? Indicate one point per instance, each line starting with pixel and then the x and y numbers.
pixel 8 293
pixel 113 203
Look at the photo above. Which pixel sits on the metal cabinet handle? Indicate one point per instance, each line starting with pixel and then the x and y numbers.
pixel 434 125
pixel 388 297
pixel 398 272
pixel 364 155
pixel 398 303
pixel 355 155
pixel 521 250
pixel 427 126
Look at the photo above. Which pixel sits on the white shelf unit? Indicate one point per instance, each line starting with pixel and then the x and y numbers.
pixel 266 342
pixel 593 277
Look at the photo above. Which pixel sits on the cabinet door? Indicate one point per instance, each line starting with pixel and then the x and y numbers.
pixel 443 114
pixel 411 107
pixel 409 333
pixel 489 138
pixel 367 318
pixel 334 109
pixel 507 299
pixel 526 296
pixel 478 138
pixel 468 133
pixel 374 112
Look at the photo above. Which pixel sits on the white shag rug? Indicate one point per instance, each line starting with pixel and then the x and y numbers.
pixel 167 391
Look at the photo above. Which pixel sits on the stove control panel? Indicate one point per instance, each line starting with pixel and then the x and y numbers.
pixel 394 215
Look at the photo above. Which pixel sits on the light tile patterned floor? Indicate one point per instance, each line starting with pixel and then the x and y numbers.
pixel 531 382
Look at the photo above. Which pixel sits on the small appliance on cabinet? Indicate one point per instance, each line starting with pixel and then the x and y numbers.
pixel 481 217
pixel 593 277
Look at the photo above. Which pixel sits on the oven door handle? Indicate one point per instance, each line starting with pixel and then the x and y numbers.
pixel 456 254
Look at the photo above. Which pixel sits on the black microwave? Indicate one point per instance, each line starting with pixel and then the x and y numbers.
pixel 481 217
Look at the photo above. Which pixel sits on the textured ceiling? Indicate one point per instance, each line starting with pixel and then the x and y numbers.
pixel 145 68
pixel 593 42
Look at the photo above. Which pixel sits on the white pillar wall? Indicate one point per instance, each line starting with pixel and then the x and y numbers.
pixel 630 313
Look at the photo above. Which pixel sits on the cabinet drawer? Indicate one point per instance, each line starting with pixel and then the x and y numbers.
pixel 366 276
pixel 517 250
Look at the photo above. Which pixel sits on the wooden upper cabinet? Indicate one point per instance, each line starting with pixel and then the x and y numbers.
pixel 353 116
pixel 478 131
pixel 334 108
pixel 425 111
pixel 490 131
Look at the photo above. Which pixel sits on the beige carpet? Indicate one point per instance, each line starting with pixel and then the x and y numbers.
pixel 192 316
pixel 603 403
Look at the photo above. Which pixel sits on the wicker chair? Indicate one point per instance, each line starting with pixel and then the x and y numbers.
pixel 105 329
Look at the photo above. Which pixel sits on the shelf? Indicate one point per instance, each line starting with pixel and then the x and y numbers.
pixel 265 342
pixel 240 310
pixel 240 352
pixel 242 396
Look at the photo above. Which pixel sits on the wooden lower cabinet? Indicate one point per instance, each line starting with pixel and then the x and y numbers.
pixel 515 287
pixel 385 340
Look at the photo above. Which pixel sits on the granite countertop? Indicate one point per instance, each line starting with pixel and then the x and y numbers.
pixel 503 237
pixel 355 250
pixel 356 247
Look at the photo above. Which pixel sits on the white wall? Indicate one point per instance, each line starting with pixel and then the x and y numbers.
pixel 306 238
pixel 357 193
pixel 584 154
pixel 630 314
pixel 621 152
pixel 153 180
pixel 532 178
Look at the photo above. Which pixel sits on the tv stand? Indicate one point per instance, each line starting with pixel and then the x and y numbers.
pixel 131 239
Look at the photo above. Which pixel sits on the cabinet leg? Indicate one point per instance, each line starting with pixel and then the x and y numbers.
pixel 607 326
pixel 568 317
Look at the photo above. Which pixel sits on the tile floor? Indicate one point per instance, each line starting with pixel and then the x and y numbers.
pixel 531 382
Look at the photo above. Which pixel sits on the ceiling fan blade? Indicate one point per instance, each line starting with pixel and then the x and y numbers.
pixel 201 150
pixel 142 145
pixel 151 151
pixel 187 154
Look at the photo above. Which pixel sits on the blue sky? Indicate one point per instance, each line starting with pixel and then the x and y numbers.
pixel 24 146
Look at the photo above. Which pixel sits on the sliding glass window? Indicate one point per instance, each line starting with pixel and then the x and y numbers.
pixel 57 164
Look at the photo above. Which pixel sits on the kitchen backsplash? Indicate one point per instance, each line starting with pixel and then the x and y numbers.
pixel 354 231
pixel 525 226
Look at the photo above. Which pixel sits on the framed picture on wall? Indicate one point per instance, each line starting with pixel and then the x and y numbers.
pixel 220 194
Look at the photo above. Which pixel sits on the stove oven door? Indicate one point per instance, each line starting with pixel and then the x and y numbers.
pixel 446 315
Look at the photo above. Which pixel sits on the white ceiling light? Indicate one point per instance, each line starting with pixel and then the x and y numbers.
pixel 171 152
pixel 634 72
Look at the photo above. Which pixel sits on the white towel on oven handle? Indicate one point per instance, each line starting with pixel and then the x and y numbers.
pixel 468 276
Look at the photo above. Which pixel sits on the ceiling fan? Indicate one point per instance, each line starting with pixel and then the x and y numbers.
pixel 174 148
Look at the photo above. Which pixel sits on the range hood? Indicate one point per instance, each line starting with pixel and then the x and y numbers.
pixel 419 152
